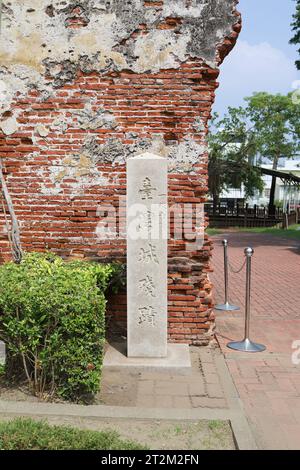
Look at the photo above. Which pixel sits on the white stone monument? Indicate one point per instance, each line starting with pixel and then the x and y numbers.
pixel 147 253
pixel 147 274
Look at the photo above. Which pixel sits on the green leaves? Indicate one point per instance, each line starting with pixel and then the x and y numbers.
pixel 232 149
pixel 268 126
pixel 296 28
pixel 52 316
pixel 275 122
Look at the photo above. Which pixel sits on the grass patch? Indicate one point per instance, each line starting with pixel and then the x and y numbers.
pixel 293 231
pixel 201 435
pixel 217 434
pixel 26 434
pixel 215 425
pixel 214 231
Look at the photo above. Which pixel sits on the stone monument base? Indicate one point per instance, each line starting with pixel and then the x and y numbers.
pixel 178 360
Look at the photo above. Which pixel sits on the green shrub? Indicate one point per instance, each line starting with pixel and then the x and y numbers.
pixel 26 434
pixel 52 319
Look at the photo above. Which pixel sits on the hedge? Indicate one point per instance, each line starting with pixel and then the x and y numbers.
pixel 52 319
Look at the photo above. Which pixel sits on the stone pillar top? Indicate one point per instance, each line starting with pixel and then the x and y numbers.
pixel 147 156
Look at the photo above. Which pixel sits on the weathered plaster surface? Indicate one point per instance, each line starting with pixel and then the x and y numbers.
pixel 37 40
pixel 92 119
pixel 9 126
pixel 181 156
pixel 44 44
pixel 83 166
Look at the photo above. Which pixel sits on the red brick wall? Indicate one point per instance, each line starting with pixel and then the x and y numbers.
pixel 56 198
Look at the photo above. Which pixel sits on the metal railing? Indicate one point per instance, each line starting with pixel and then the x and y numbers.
pixel 246 345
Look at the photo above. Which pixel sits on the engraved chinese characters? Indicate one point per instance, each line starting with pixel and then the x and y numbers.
pixel 147 256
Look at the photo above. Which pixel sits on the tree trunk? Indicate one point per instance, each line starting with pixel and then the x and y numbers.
pixel 272 208
pixel 216 201
pixel 14 230
pixel 14 370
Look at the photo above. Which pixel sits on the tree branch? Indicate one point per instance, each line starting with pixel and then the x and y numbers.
pixel 14 235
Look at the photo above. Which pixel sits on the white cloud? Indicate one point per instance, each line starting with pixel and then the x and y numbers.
pixel 251 68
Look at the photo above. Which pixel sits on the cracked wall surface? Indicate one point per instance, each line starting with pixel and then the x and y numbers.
pixel 85 84
pixel 46 44
pixel 100 35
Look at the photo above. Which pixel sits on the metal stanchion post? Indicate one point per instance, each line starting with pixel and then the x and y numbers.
pixel 247 345
pixel 226 306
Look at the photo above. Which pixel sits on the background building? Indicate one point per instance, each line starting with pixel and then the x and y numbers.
pixel 285 195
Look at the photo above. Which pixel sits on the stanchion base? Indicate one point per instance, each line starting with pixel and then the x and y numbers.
pixel 246 346
pixel 227 307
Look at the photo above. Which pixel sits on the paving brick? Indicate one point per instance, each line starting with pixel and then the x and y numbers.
pixel 145 401
pixel 280 406
pixel 257 387
pixel 212 379
pixel 172 390
pixel 146 387
pixel 292 433
pixel 209 368
pixel 206 402
pixel 197 388
pixel 215 391
pixel 166 390
pixel 206 357
pixel 163 401
pixel 286 385
pixel 244 380
pixel 267 378
pixel 270 434
pixel 268 384
pixel 182 402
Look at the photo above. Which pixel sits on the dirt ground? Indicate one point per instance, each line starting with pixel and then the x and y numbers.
pixel 117 389
pixel 16 392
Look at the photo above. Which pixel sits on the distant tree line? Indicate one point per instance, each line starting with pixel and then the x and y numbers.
pixel 267 126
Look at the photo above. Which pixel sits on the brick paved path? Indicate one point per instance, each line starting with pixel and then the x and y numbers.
pixel 201 389
pixel 268 383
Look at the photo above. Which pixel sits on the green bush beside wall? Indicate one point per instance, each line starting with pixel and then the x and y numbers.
pixel 52 319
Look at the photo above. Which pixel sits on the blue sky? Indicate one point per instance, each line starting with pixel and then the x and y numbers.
pixel 263 59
